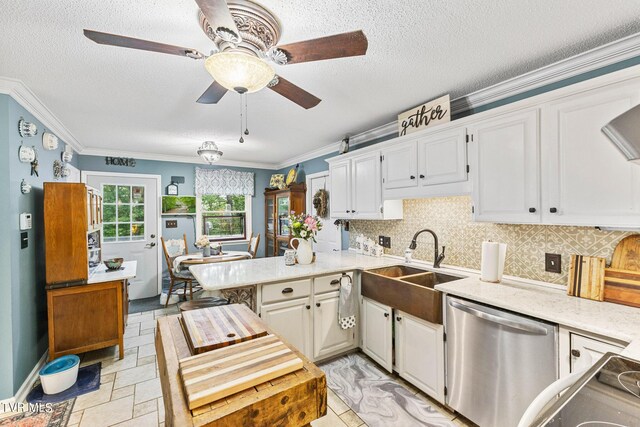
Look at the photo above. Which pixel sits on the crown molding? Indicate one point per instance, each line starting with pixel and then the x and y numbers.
pixel 195 160
pixel 599 57
pixel 17 90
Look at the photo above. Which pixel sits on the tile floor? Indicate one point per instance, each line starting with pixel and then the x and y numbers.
pixel 130 392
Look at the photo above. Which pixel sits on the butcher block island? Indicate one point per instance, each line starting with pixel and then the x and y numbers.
pixel 253 381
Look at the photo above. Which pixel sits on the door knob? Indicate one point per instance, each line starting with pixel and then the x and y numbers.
pixel 153 236
pixel 150 245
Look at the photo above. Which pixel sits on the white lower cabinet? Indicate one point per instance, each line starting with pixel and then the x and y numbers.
pixel 292 320
pixel 328 337
pixel 420 354
pixel 579 351
pixel 377 335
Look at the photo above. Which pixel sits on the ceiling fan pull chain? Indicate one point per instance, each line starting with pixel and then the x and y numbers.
pixel 241 138
pixel 246 115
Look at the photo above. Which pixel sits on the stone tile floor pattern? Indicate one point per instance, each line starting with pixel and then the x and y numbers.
pixel 130 394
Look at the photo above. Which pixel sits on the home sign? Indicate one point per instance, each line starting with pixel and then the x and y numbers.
pixel 120 161
pixel 425 115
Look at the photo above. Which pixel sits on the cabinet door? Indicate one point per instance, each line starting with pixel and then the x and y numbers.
pixel 442 157
pixel 291 320
pixel 586 181
pixel 366 193
pixel 328 336
pixel 340 195
pixel 505 168
pixel 377 327
pixel 400 166
pixel 420 354
pixel 587 351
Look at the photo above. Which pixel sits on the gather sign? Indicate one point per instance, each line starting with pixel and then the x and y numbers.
pixel 425 115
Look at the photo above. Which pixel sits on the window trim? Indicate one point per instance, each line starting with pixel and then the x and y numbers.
pixel 248 227
pixel 131 222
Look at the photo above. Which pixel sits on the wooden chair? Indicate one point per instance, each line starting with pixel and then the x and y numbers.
pixel 253 245
pixel 186 279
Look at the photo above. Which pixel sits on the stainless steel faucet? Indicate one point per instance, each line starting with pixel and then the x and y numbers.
pixel 437 256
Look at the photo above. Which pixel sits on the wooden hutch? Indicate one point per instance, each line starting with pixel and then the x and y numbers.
pixel 278 205
pixel 84 313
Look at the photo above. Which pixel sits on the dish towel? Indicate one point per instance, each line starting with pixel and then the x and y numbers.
pixel 347 304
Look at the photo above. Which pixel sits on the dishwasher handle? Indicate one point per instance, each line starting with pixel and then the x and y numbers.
pixel 527 327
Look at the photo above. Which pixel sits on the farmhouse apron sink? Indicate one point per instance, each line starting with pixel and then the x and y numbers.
pixel 408 289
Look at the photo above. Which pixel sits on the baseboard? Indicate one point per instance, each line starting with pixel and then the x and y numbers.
pixel 27 385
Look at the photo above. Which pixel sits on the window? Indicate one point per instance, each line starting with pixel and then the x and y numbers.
pixel 225 218
pixel 123 215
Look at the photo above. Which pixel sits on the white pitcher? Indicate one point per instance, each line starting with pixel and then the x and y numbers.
pixel 304 251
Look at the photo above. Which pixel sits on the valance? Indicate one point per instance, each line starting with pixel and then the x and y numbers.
pixel 224 182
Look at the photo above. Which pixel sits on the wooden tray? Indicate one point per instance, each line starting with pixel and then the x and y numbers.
pixel 626 255
pixel 217 374
pixel 586 277
pixel 622 287
pixel 211 328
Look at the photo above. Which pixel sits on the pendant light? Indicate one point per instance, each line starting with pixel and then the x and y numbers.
pixel 209 152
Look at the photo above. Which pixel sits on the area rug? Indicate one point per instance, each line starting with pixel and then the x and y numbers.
pixel 88 381
pixel 378 399
pixel 48 415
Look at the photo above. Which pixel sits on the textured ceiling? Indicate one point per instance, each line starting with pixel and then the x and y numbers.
pixel 140 102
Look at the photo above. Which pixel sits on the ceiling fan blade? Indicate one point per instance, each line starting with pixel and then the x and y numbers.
pixel 213 94
pixel 295 93
pixel 220 19
pixel 122 41
pixel 336 46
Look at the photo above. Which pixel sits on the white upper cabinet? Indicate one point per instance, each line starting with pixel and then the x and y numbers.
pixel 585 179
pixel 442 157
pixel 400 166
pixel 505 167
pixel 340 203
pixel 365 186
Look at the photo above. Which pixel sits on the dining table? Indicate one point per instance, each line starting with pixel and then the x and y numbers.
pixel 182 262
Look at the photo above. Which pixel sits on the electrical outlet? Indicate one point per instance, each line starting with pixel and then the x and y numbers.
pixel 384 241
pixel 171 223
pixel 553 263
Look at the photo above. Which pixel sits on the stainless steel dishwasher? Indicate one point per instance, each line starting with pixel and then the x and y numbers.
pixel 497 361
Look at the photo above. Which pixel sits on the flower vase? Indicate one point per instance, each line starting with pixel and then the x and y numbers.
pixel 206 251
pixel 304 251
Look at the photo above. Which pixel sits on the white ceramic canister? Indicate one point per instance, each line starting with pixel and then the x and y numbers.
pixel 359 243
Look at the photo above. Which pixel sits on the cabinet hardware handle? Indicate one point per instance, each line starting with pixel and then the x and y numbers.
pixel 412 177
pixel 308 307
pixel 386 315
pixel 317 304
pixel 532 210
pixel 335 282
pixel 575 353
pixel 353 211
pixel 553 210
pixel 347 210
pixel 398 318
pixel 421 176
pixel 287 290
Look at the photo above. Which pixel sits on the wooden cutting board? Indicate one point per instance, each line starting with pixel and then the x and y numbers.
pixel 220 373
pixel 215 327
pixel 622 287
pixel 586 277
pixel 626 255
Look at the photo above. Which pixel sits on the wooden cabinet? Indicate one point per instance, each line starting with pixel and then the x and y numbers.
pixel 86 317
pixel 505 166
pixel 278 205
pixel 419 350
pixel 292 320
pixel 377 336
pixel 356 189
pixel 585 179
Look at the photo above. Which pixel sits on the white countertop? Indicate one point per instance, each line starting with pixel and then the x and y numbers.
pixel 101 274
pixel 256 271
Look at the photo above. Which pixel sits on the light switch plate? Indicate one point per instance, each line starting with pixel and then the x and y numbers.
pixel 171 223
pixel 553 263
pixel 384 241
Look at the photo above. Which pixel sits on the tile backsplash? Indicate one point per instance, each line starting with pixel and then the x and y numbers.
pixel 450 219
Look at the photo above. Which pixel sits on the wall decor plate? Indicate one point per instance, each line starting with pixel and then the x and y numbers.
pixel 27 129
pixel 49 141
pixel 26 154
pixel 277 180
pixel 291 176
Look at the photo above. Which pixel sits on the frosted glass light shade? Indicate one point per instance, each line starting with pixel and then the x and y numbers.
pixel 209 152
pixel 237 71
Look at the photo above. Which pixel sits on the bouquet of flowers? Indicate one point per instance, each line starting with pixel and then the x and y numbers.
pixel 305 226
pixel 203 242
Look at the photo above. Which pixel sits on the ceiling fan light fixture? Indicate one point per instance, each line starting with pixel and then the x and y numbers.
pixel 239 72
pixel 209 152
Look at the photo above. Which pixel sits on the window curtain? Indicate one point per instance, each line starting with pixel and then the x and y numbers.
pixel 224 182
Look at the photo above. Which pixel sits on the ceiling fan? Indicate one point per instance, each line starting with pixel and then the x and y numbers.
pixel 245 37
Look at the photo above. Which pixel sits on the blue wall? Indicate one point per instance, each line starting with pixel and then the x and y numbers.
pixel 187 170
pixel 23 304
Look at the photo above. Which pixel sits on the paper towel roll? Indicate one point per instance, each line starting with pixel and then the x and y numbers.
pixel 492 265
